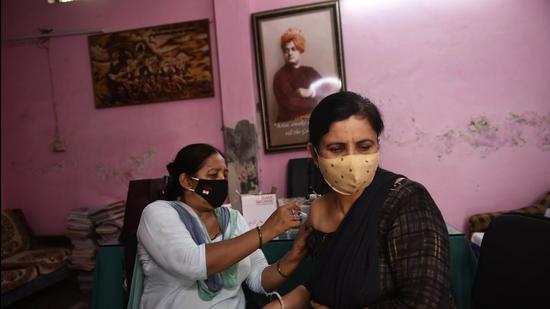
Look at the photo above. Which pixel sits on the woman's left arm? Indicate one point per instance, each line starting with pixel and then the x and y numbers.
pixel 270 277
pixel 417 248
pixel 275 274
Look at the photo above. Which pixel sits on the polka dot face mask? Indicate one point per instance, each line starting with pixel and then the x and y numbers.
pixel 349 174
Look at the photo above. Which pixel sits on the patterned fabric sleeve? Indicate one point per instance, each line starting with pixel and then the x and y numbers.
pixel 417 253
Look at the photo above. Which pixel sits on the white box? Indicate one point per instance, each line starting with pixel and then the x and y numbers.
pixel 258 207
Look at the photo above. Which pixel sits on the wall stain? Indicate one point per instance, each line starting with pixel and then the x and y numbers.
pixel 241 150
pixel 54 168
pixel 543 133
pixel 444 143
pixel 485 136
pixel 416 138
pixel 131 169
pixel 482 136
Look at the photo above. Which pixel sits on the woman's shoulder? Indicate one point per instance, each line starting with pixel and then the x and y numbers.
pixel 410 206
pixel 404 187
pixel 158 213
pixel 158 207
pixel 317 213
pixel 407 195
pixel 160 203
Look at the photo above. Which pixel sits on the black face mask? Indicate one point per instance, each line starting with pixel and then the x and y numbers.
pixel 214 191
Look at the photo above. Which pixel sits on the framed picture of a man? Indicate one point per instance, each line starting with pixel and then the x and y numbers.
pixel 299 61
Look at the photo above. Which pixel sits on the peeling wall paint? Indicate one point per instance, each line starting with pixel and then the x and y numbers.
pixel 483 135
pixel 54 168
pixel 241 150
pixel 517 130
pixel 444 143
pixel 124 172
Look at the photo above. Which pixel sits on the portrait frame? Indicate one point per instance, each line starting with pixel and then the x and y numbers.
pixel 170 62
pixel 285 127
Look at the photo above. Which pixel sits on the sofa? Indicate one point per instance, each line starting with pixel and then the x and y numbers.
pixel 30 263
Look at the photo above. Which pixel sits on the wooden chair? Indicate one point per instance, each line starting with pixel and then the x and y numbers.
pixel 140 194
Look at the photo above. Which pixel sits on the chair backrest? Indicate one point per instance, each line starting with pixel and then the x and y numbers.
pixel 514 263
pixel 140 194
pixel 304 177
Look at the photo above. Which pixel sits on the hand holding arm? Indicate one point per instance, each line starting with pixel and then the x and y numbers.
pixel 275 274
pixel 223 254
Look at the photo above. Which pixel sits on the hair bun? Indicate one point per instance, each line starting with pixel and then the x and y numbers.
pixel 170 167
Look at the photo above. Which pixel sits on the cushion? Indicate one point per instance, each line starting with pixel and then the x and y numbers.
pixel 15 234
pixel 480 222
pixel 14 278
pixel 45 260
pixel 537 208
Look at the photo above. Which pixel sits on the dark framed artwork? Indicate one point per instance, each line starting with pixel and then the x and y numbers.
pixel 155 64
pixel 299 61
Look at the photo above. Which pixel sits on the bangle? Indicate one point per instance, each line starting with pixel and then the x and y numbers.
pixel 261 242
pixel 279 270
pixel 281 302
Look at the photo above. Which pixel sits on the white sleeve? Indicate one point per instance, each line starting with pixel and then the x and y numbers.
pixel 258 261
pixel 169 243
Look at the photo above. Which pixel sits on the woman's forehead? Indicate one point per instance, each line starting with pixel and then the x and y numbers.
pixel 215 161
pixel 354 127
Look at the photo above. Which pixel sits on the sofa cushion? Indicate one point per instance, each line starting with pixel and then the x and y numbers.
pixel 14 278
pixel 44 260
pixel 15 234
pixel 480 222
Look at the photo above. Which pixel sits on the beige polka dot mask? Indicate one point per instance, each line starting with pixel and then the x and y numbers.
pixel 349 174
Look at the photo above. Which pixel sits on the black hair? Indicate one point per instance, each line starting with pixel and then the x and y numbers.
pixel 340 106
pixel 189 160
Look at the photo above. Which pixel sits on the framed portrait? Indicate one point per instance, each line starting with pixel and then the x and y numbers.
pixel 299 61
pixel 156 64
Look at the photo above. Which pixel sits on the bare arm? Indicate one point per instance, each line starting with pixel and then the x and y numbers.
pixel 221 255
pixel 298 298
pixel 271 278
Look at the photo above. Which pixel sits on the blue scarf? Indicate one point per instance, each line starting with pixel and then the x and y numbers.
pixel 227 219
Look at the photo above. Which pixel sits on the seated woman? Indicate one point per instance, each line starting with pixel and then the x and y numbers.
pixel 378 239
pixel 196 254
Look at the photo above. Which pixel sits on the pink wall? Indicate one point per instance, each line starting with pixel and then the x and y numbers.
pixel 463 86
pixel 105 147
pixel 433 67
